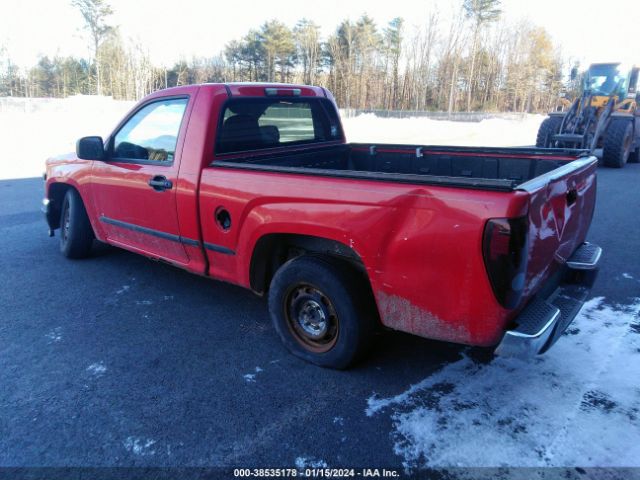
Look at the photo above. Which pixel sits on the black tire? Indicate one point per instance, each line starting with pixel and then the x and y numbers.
pixel 634 157
pixel 329 299
pixel 549 127
pixel 76 234
pixel 617 143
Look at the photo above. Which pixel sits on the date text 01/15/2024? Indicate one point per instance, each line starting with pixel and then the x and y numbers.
pixel 316 472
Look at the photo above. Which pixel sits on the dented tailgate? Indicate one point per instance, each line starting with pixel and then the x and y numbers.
pixel 560 211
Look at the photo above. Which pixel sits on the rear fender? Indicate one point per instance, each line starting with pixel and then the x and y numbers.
pixel 422 256
pixel 253 235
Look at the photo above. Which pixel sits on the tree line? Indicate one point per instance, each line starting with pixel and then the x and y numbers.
pixel 472 60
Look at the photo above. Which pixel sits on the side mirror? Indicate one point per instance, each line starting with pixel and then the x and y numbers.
pixel 574 73
pixel 90 148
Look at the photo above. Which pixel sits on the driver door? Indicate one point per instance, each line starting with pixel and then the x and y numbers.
pixel 134 190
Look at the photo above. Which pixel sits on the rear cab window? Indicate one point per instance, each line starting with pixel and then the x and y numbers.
pixel 250 124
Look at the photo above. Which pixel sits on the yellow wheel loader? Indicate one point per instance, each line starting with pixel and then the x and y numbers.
pixel 606 115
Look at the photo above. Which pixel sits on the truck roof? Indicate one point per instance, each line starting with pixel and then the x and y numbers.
pixel 248 89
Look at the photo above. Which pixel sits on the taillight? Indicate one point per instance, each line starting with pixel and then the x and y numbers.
pixel 505 251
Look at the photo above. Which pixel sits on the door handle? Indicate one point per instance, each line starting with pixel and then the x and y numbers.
pixel 160 183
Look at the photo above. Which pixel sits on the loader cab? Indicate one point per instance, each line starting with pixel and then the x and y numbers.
pixel 606 79
pixel 634 83
pixel 605 115
pixel 611 79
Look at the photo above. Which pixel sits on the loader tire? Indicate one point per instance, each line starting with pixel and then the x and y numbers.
pixel 634 157
pixel 617 143
pixel 549 127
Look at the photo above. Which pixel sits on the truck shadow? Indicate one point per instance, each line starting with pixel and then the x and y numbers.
pixel 222 309
pixel 236 314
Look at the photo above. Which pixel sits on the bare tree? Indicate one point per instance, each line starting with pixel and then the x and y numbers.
pixel 442 64
pixel 480 12
pixel 452 58
pixel 393 50
pixel 95 14
pixel 307 37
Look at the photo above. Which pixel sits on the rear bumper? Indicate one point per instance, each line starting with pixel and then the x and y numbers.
pixel 545 318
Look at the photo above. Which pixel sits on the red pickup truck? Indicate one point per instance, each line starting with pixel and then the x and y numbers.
pixel 254 184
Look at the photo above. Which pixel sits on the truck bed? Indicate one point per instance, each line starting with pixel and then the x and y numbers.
pixel 502 169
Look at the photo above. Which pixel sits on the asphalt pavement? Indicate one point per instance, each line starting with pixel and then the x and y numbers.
pixel 117 360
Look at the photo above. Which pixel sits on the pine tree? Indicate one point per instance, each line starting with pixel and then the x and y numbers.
pixel 277 41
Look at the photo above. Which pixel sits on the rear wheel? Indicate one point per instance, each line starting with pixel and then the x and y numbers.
pixel 548 128
pixel 617 143
pixel 322 310
pixel 76 234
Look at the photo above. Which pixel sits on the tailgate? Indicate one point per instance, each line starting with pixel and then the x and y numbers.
pixel 561 207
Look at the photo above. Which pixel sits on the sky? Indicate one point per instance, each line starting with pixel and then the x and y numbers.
pixel 171 30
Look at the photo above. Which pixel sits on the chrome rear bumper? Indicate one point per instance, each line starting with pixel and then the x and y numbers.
pixel 546 317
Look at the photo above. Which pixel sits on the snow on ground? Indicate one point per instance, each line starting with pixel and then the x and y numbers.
pixel 368 128
pixel 97 369
pixel 140 446
pixel 35 129
pixel 579 404
pixel 304 462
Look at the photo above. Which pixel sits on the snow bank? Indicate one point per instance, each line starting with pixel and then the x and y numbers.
pixel 577 405
pixel 368 128
pixel 35 129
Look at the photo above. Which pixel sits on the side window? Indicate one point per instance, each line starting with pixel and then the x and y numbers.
pixel 152 133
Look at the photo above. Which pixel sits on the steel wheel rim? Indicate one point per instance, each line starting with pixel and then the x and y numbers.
pixel 311 318
pixel 66 224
